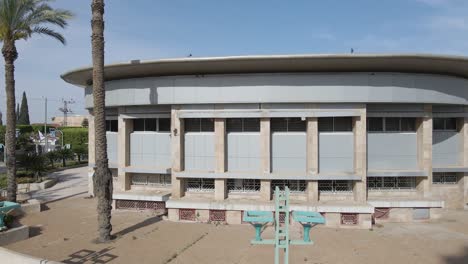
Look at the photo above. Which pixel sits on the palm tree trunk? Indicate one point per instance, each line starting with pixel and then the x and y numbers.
pixel 103 178
pixel 10 54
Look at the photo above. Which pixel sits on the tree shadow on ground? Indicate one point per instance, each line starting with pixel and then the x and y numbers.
pixel 90 256
pixel 460 259
pixel 137 226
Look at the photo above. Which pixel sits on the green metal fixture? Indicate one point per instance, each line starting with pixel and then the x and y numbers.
pixel 281 241
pixel 6 208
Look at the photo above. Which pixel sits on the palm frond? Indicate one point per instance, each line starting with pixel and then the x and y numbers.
pixel 49 32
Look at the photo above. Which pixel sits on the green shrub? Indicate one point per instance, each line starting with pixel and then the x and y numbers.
pixel 34 163
pixel 75 136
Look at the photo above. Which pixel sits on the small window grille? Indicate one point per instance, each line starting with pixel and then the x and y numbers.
pixel 187 214
pixel 349 219
pixel 112 126
pixel 391 183
pixel 335 124
pixel 282 217
pixel 288 125
pixel 243 185
pixel 382 213
pixel 295 186
pixel 200 185
pixel 243 125
pixel 217 215
pixel 140 205
pixel 444 178
pixel 335 186
pixel 375 124
pixel 151 179
pixel 199 125
pixel 444 124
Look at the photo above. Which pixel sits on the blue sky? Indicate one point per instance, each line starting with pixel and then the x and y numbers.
pixel 152 29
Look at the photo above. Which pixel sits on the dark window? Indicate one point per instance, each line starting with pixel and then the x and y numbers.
pixel 392 124
pixel 375 124
pixel 335 124
pixel 444 178
pixel 449 124
pixel 243 125
pixel 199 125
pixel 164 124
pixel 207 125
pixel 408 124
pixel 279 124
pixel 296 125
pixel 234 125
pixel 325 124
pixel 139 124
pixel 112 126
pixel 150 124
pixel 438 124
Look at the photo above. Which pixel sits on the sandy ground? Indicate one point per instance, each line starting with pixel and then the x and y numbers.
pixel 65 232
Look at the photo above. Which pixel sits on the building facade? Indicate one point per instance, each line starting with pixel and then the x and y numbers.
pixel 359 138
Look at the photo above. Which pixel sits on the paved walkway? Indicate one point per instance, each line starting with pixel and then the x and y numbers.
pixel 71 182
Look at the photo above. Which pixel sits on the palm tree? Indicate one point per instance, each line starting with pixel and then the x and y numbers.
pixel 103 177
pixel 19 20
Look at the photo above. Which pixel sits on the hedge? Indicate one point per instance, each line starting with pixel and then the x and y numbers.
pixel 75 136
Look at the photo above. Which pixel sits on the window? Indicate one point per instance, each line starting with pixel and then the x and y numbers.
pixel 444 124
pixel 444 178
pixel 288 125
pixel 391 183
pixel 200 185
pixel 152 124
pixel 391 124
pixel 335 124
pixel 199 125
pixel 112 126
pixel 335 186
pixel 243 125
pixel 295 186
pixel 243 185
pixel 157 180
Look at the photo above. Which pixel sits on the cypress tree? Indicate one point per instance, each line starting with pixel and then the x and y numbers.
pixel 23 118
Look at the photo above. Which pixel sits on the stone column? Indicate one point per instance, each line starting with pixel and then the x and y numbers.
pixel 177 138
pixel 464 133
pixel 360 155
pixel 123 153
pixel 265 145
pixel 220 153
pixel 91 153
pixel 312 158
pixel 424 138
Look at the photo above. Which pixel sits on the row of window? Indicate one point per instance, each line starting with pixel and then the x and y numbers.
pixel 151 179
pixel 152 124
pixel 391 124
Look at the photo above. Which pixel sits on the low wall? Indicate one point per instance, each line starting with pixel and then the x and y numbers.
pixel 12 257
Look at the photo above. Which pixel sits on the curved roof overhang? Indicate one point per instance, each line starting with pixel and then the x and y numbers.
pixel 407 63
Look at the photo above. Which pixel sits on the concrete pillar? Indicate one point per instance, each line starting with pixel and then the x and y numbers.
pixel 360 155
pixel 220 153
pixel 91 153
pixel 312 158
pixel 424 138
pixel 464 133
pixel 177 138
pixel 265 145
pixel 123 153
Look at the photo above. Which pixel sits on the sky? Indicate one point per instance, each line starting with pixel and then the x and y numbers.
pixel 154 29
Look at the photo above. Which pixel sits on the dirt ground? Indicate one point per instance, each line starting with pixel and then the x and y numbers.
pixel 65 232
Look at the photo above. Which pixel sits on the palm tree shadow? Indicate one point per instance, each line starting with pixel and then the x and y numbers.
pixel 460 259
pixel 144 223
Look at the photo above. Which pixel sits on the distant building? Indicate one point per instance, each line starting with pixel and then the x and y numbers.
pixel 73 121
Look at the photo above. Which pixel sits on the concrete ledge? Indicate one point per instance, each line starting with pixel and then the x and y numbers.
pixel 147 170
pixel 266 176
pixel 390 173
pixel 32 206
pixel 258 206
pixel 142 196
pixel 12 257
pixel 13 235
pixel 450 169
pixel 38 186
pixel 407 204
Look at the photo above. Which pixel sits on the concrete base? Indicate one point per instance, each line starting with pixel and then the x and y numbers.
pixel 13 235
pixel 18 258
pixel 32 206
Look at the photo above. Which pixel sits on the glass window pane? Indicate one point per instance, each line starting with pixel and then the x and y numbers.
pixel 451 124
pixel 251 125
pixel 408 124
pixel 234 125
pixel 207 125
pixel 114 125
pixel 192 125
pixel 279 125
pixel 164 124
pixel 438 124
pixel 343 124
pixel 392 124
pixel 296 125
pixel 150 124
pixel 325 124
pixel 138 124
pixel 108 125
pixel 375 124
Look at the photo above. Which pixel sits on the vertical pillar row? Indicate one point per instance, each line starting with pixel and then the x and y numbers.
pixel 360 155
pixel 177 138
pixel 312 158
pixel 424 138
pixel 265 152
pixel 125 129
pixel 91 154
pixel 220 154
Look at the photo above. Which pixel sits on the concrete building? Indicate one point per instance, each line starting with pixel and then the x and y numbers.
pixel 71 120
pixel 355 137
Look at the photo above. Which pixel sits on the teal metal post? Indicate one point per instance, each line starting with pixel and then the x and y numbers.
pixel 307 233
